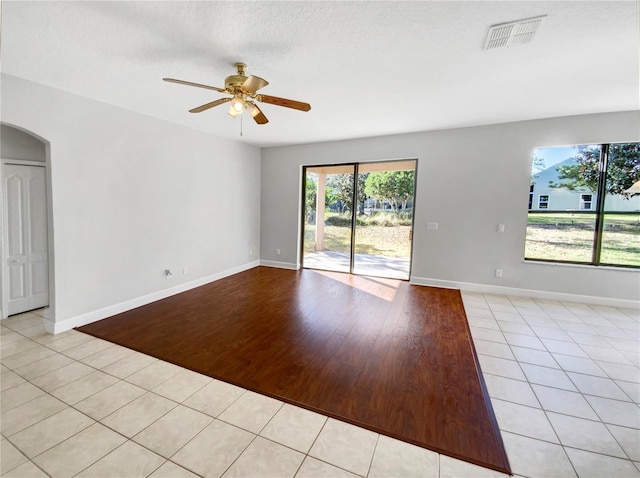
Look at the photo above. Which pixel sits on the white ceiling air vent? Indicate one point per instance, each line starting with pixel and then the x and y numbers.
pixel 512 33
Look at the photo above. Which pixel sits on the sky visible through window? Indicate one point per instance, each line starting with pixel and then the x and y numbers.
pixel 552 156
pixel 567 223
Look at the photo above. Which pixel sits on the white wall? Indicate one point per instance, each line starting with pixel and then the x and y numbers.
pixel 469 181
pixel 133 196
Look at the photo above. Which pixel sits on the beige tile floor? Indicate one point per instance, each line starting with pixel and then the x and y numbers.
pixel 564 381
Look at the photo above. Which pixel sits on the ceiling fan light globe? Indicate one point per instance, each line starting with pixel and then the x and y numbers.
pixel 233 112
pixel 237 105
pixel 251 108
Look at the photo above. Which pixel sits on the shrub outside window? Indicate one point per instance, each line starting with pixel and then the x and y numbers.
pixel 588 208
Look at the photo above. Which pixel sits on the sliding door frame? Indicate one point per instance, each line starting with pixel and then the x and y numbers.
pixel 354 216
pixel 303 199
pixel 354 212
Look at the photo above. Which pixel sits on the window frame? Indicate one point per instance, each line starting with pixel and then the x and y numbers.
pixel 584 202
pixel 599 213
pixel 545 202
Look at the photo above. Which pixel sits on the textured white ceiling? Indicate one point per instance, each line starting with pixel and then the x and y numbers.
pixel 368 68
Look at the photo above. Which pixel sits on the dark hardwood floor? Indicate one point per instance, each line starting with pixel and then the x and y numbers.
pixel 379 353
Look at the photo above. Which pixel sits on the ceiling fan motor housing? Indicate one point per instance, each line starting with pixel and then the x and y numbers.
pixel 233 82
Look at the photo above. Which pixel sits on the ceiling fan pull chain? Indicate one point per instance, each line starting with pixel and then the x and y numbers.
pixel 241 115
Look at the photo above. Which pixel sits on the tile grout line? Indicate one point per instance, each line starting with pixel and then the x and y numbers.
pixel 307 455
pixel 91 418
pixel 596 413
pixel 535 395
pixel 572 382
pixel 543 409
pixel 375 447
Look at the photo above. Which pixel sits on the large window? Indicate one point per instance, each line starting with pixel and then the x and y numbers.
pixel 588 205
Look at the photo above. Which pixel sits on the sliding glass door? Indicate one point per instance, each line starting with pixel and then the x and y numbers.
pixel 384 225
pixel 328 217
pixel 358 218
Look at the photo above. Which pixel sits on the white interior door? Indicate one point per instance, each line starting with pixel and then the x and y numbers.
pixel 26 247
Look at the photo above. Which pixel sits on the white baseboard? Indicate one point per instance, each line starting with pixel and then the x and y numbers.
pixel 55 327
pixel 280 265
pixel 536 294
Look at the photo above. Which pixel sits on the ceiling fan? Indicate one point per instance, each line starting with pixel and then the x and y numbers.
pixel 244 95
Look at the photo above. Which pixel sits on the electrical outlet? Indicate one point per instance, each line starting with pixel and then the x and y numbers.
pixel 498 272
pixel 277 252
pixel 500 227
pixel 185 270
pixel 432 226
pixel 167 273
pixel 250 252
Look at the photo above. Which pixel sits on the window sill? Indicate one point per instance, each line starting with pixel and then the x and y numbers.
pixel 584 266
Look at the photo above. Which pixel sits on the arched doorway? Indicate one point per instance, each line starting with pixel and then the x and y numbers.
pixel 26 271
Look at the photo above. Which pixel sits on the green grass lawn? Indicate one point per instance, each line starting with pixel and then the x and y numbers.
pixel 558 237
pixel 386 241
pixel 569 237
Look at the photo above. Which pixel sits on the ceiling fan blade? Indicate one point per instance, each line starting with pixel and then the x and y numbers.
pixel 188 83
pixel 202 108
pixel 274 100
pixel 253 84
pixel 256 113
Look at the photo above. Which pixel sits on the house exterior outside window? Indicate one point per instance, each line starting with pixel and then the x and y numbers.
pixel 588 207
